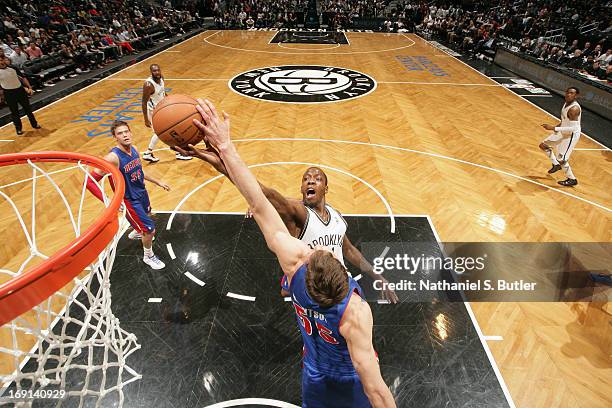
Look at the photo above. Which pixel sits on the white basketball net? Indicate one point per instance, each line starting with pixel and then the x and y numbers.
pixel 71 341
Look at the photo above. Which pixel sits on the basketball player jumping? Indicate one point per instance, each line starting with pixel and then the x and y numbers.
pixel 559 145
pixel 310 219
pixel 136 198
pixel 340 367
pixel 153 91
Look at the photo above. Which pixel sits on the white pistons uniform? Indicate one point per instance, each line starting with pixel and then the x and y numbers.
pixel 158 94
pixel 564 142
pixel 330 234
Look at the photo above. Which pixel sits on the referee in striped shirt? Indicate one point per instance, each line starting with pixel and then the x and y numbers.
pixel 16 90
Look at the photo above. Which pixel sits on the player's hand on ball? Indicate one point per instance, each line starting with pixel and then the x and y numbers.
pixel 215 129
pixel 209 155
pixel 548 127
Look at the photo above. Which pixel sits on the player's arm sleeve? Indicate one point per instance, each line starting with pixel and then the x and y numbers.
pixel 573 126
pixel 357 331
pixel 289 250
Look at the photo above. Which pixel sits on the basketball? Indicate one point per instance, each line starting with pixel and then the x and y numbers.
pixel 172 120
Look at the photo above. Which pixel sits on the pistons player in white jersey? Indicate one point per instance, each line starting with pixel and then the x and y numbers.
pixel 559 145
pixel 310 219
pixel 153 91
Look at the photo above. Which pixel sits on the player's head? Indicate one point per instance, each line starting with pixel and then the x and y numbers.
pixel 326 279
pixel 571 94
pixel 121 132
pixel 314 186
pixel 155 71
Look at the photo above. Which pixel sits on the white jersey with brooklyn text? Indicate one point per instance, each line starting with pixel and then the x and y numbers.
pixel 158 94
pixel 330 234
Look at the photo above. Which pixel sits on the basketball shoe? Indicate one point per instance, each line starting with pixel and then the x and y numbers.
pixel 154 262
pixel 148 156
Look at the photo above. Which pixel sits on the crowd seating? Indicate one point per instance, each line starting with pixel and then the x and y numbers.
pixel 71 37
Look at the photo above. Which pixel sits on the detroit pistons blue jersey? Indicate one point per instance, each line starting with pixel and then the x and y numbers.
pixel 131 168
pixel 325 350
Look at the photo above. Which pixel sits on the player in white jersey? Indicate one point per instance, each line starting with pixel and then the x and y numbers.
pixel 559 145
pixel 309 219
pixel 153 91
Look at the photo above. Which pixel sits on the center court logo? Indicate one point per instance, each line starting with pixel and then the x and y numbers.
pixel 302 84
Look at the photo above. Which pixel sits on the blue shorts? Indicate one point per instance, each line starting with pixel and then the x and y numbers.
pixel 285 283
pixel 323 391
pixel 137 213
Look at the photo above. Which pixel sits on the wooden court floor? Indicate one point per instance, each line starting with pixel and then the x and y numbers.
pixel 458 147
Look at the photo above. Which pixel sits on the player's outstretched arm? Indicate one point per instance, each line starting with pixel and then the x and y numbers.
pixel 356 328
pixel 355 257
pixel 290 251
pixel 96 175
pixel 157 182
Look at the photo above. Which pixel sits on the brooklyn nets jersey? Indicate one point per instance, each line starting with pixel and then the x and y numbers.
pixel 158 94
pixel 330 234
pixel 565 121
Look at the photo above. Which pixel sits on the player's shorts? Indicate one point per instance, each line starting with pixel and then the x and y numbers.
pixel 564 145
pixel 322 391
pixel 284 283
pixel 137 212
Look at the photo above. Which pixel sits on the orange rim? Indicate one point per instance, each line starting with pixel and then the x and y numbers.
pixel 33 286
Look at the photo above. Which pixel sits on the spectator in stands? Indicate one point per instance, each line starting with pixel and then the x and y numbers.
pixel 575 61
pixel 597 51
pixel 9 26
pixel 605 59
pixel 559 58
pixel 573 47
pixel 34 51
pixel 111 52
pixel 18 57
pixel 593 69
pixel 22 39
pixel 93 58
pixel 123 40
pixel 586 51
pixel 6 48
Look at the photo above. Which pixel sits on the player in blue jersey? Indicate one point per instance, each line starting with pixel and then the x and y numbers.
pixel 136 198
pixel 340 365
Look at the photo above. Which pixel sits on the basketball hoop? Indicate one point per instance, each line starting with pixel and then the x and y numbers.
pixel 55 316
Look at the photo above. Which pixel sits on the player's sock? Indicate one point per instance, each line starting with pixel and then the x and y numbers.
pixel 553 158
pixel 148 252
pixel 568 171
pixel 153 143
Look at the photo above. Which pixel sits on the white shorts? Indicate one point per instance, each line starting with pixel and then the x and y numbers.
pixel 562 144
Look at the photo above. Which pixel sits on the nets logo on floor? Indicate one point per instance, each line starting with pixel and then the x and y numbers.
pixel 302 84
